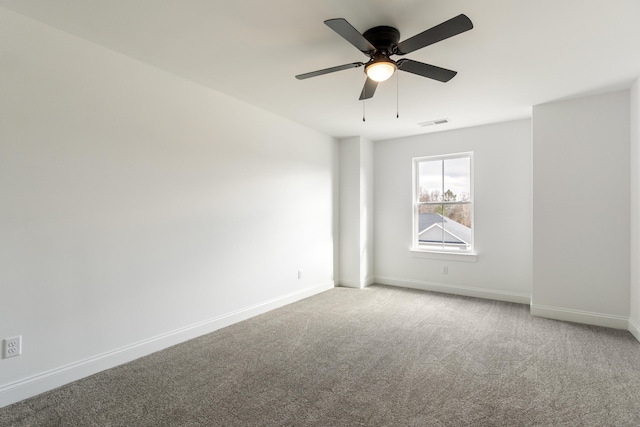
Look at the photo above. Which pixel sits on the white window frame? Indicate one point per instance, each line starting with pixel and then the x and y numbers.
pixel 443 253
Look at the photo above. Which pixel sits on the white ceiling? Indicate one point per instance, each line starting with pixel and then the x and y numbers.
pixel 519 54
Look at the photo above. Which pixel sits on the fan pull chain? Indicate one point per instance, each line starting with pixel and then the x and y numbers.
pixel 364 98
pixel 397 95
pixel 363 111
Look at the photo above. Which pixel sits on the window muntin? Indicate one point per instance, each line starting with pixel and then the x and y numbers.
pixel 443 203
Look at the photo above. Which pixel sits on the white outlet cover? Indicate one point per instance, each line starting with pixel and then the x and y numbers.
pixel 12 347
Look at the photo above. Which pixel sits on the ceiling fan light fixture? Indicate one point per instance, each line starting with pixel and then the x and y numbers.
pixel 381 42
pixel 380 71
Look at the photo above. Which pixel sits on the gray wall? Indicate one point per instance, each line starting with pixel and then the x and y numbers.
pixel 581 188
pixel 131 202
pixel 502 187
pixel 356 212
pixel 634 320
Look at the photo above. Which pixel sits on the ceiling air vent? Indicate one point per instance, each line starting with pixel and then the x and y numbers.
pixel 433 122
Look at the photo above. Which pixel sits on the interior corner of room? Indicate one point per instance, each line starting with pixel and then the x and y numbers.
pixel 140 209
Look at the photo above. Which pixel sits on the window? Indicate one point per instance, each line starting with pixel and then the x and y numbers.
pixel 443 203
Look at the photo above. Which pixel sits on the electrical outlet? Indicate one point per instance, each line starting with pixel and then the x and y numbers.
pixel 299 274
pixel 445 269
pixel 12 347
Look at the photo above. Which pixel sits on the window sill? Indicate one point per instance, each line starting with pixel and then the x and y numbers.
pixel 445 256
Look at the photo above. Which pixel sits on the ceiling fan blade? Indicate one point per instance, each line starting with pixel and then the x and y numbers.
pixel 369 89
pixel 329 70
pixel 426 70
pixel 450 28
pixel 350 34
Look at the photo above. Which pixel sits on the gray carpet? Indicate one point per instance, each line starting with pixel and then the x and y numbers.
pixel 381 356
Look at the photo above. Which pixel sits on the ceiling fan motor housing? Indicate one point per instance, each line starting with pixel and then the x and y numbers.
pixel 379 43
pixel 383 38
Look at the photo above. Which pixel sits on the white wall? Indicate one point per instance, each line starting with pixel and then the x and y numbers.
pixel 349 212
pixel 581 209
pixel 139 209
pixel 502 186
pixel 367 239
pixel 634 321
pixel 356 212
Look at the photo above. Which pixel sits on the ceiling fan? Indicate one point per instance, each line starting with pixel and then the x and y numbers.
pixel 380 43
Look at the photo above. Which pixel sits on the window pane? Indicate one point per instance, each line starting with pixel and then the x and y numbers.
pixel 457 226
pixel 430 225
pixel 457 179
pixel 445 226
pixel 430 181
pixel 459 213
pixel 443 217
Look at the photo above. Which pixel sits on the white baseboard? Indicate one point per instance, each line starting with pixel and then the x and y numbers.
pixel 457 290
pixel 634 328
pixel 349 283
pixel 356 283
pixel 578 316
pixel 45 381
